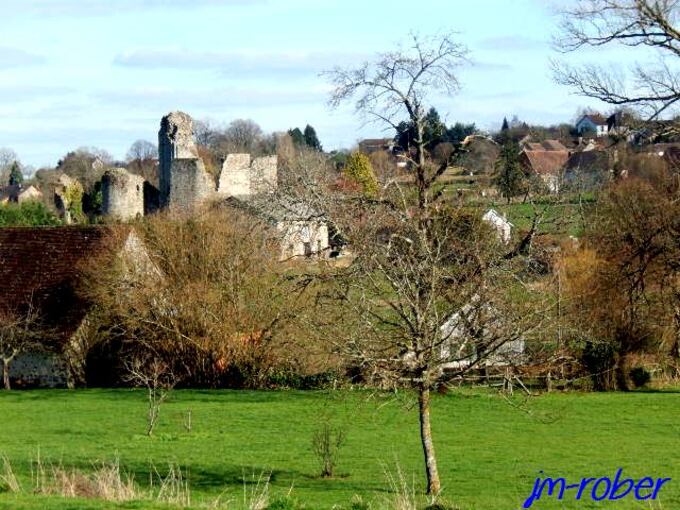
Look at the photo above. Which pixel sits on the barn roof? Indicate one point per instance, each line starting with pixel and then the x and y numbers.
pixel 41 266
pixel 546 162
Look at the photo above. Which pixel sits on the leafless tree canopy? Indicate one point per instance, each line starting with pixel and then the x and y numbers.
pixel 653 88
pixel 142 150
pixel 397 83
pixel 396 86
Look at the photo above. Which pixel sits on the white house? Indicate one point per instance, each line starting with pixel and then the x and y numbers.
pixel 595 123
pixel 500 223
pixel 472 333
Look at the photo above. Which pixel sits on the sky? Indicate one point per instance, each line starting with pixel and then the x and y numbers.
pixel 102 73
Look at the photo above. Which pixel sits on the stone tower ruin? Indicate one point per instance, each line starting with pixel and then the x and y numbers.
pixel 123 194
pixel 175 141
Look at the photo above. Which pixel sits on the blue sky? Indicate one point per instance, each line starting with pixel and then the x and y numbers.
pixel 102 72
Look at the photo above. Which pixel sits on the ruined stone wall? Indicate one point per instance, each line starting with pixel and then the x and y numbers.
pixel 235 176
pixel 38 369
pixel 241 177
pixel 191 185
pixel 264 175
pixel 123 194
pixel 175 141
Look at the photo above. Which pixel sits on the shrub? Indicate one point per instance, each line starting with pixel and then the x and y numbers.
pixel 599 359
pixel 359 504
pixel 358 169
pixel 326 444
pixel 27 214
pixel 286 503
pixel 640 376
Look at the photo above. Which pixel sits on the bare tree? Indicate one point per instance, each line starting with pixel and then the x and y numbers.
pixel 7 158
pixel 242 135
pixel 653 89
pixel 395 87
pixel 159 380
pixel 141 150
pixel 19 333
pixel 425 291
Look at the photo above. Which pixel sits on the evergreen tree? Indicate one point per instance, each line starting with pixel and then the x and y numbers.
pixel 311 139
pixel 505 125
pixel 458 132
pixel 358 169
pixel 15 175
pixel 297 136
pixel 510 178
pixel 434 131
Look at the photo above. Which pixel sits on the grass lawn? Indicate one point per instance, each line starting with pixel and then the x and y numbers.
pixel 489 452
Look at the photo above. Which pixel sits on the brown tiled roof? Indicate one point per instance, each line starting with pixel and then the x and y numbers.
pixel 41 266
pixel 545 162
pixel 588 161
pixel 553 145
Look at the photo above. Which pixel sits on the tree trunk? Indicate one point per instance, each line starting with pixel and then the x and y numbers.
pixel 433 484
pixel 5 375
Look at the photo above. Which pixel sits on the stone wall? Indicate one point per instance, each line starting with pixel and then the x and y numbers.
pixel 302 239
pixel 235 176
pixel 242 177
pixel 264 175
pixel 190 185
pixel 123 194
pixel 175 141
pixel 38 369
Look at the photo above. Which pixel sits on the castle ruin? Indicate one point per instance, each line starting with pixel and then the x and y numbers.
pixel 185 185
pixel 122 194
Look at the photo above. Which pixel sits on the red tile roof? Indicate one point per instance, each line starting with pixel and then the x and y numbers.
pixel 41 265
pixel 545 162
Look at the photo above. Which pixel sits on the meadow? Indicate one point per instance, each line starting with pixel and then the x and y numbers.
pixel 490 450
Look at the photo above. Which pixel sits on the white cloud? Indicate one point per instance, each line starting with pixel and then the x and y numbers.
pixel 241 62
pixel 15 57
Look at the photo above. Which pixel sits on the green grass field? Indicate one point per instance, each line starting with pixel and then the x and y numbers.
pixel 489 452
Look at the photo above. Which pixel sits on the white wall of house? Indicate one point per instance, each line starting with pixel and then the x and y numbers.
pixel 586 124
pixel 303 238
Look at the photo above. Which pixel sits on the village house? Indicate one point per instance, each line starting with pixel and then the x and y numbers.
pixel 546 160
pixel 371 145
pixel 480 322
pixel 586 169
pixel 592 123
pixel 41 269
pixel 17 193
pixel 302 231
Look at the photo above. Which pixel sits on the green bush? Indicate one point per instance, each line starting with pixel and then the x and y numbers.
pixel 640 376
pixel 290 378
pixel 27 214
pixel 286 503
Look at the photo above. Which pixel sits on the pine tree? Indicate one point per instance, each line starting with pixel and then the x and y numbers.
pixel 311 139
pixel 359 170
pixel 510 178
pixel 15 175
pixel 297 136
pixel 505 125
